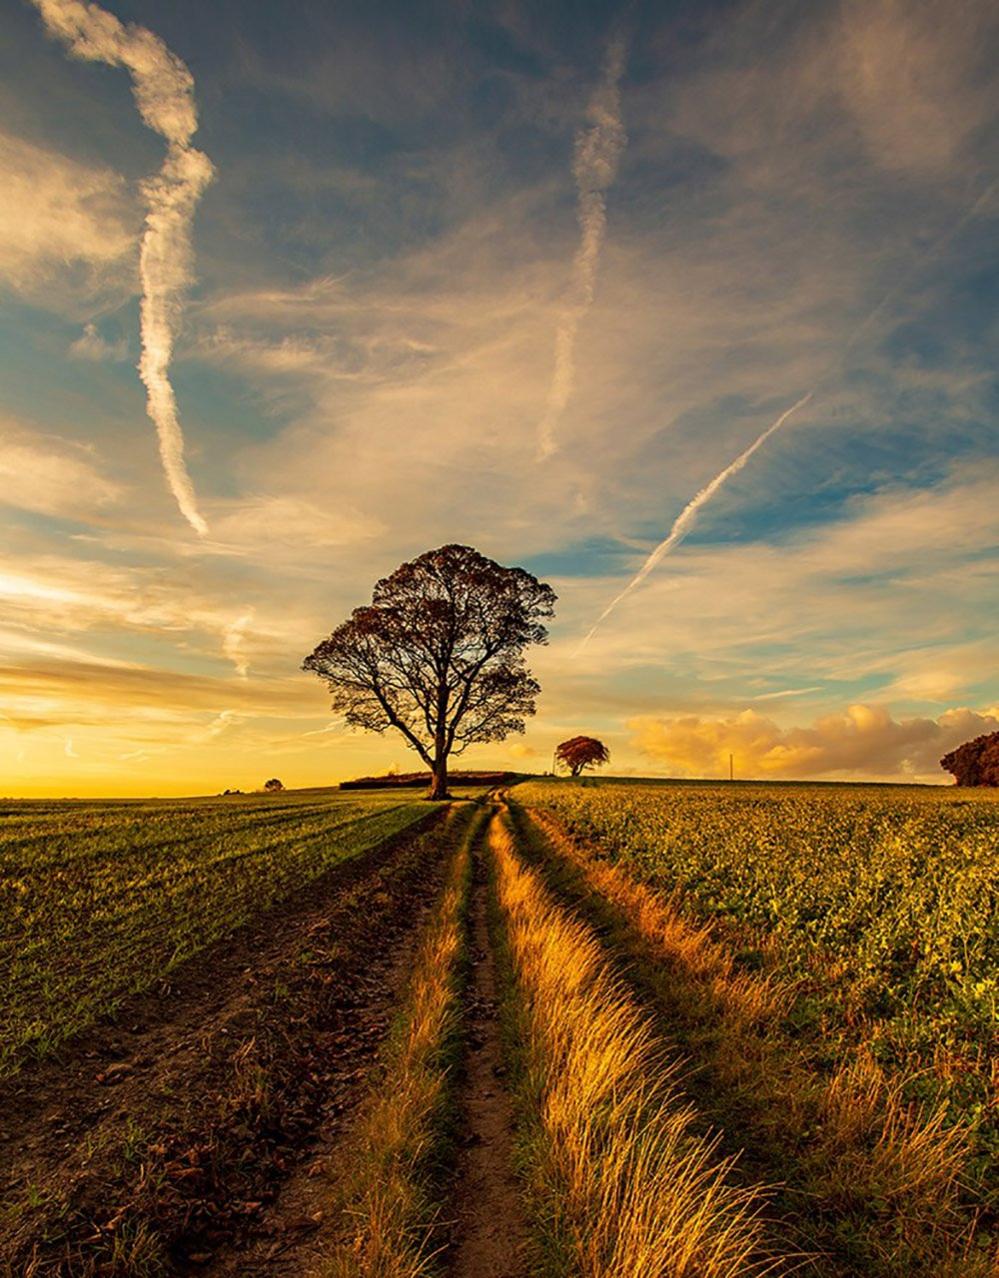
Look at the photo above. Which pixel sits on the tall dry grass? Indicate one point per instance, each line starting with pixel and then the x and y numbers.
pixel 620 1184
pixel 387 1194
pixel 893 1166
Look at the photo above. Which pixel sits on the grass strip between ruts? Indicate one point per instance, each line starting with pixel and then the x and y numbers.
pixel 617 1182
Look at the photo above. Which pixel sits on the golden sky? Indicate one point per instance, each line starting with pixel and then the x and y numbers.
pixel 289 294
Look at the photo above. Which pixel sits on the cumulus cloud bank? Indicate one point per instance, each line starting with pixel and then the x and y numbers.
pixel 597 152
pixel 861 741
pixel 164 93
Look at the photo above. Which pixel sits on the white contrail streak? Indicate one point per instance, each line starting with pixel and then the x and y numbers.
pixel 597 151
pixel 164 93
pixel 687 517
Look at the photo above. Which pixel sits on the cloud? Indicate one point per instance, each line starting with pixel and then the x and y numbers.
pixel 56 214
pixel 863 741
pixel 56 597
pixel 911 72
pixel 164 93
pixel 50 476
pixel 232 643
pixel 90 345
pixel 687 517
pixel 597 152
pixel 272 526
pixel 788 692
pixel 933 683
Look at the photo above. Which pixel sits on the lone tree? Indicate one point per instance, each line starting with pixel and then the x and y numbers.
pixel 438 655
pixel 273 785
pixel 976 762
pixel 582 752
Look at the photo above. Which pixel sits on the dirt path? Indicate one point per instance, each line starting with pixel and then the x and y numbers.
pixel 490 1231
pixel 168 1135
pixel 294 1234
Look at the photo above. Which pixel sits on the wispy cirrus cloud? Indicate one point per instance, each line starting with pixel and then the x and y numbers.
pixel 58 214
pixel 598 150
pixel 51 476
pixel 90 345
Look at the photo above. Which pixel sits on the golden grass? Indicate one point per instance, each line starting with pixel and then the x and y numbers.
pixel 621 1185
pixel 387 1196
pixel 867 1149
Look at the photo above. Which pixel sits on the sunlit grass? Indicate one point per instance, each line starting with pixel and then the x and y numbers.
pixel 883 1173
pixel 621 1185
pixel 388 1193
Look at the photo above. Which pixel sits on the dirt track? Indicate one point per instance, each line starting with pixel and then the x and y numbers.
pixel 163 1139
pixel 490 1232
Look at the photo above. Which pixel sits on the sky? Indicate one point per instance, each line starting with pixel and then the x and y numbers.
pixel 290 293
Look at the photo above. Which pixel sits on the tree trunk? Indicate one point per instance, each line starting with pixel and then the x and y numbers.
pixel 438 780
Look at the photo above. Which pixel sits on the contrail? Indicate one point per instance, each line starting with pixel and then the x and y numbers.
pixel 164 93
pixel 688 516
pixel 597 151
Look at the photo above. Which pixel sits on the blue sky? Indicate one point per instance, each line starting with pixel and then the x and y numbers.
pixel 527 276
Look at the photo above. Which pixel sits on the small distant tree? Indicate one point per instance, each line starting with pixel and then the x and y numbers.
pixel 438 655
pixel 976 762
pixel 582 752
pixel 273 785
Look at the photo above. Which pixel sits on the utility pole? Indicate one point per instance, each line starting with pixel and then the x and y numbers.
pixel 731 767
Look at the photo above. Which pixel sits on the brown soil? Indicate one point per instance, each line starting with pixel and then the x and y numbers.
pixel 160 1141
pixel 490 1232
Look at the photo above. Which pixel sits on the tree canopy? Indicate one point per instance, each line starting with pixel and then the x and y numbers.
pixel 582 752
pixel 976 762
pixel 438 654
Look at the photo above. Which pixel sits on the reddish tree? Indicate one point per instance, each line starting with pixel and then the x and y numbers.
pixel 438 655
pixel 976 762
pixel 582 752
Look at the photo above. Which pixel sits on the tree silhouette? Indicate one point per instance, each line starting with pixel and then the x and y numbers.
pixel 582 752
pixel 438 655
pixel 976 762
pixel 273 785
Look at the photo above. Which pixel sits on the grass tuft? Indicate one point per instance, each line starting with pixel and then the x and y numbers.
pixel 621 1185
pixel 881 1177
pixel 396 1230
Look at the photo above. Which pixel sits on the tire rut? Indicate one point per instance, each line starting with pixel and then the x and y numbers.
pixel 183 1148
pixel 490 1229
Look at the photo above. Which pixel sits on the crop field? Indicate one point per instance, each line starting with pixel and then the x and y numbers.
pixel 557 1030
pixel 873 911
pixel 99 900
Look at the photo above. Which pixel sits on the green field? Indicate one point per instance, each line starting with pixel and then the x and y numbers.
pixel 752 1025
pixel 877 905
pixel 102 899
